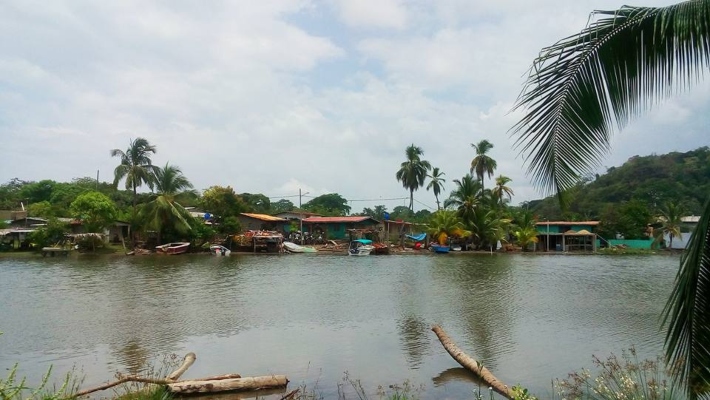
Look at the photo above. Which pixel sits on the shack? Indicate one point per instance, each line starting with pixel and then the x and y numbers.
pixel 262 222
pixel 567 235
pixel 336 228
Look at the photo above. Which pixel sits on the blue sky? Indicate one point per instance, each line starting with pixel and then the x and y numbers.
pixel 272 96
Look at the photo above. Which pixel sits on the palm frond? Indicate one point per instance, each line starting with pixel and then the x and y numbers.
pixel 582 86
pixel 687 313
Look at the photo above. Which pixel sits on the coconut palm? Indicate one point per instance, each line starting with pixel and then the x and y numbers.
pixel 136 167
pixel 164 212
pixel 500 191
pixel 483 164
pixel 466 197
pixel 436 184
pixel 413 172
pixel 582 86
pixel 671 213
pixel 487 228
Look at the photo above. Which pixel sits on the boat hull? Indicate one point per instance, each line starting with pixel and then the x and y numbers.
pixel 220 250
pixel 440 249
pixel 174 248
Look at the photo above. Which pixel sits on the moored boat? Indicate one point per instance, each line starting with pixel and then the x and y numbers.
pixel 360 247
pixel 438 248
pixel 173 248
pixel 219 250
pixel 295 248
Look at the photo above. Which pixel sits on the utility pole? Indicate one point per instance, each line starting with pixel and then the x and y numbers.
pixel 300 211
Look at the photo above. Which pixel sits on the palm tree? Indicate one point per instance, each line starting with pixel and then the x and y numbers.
pixel 465 198
pixel 164 211
pixel 582 86
pixel 500 190
pixel 436 184
pixel 483 164
pixel 445 223
pixel 671 214
pixel 413 172
pixel 136 166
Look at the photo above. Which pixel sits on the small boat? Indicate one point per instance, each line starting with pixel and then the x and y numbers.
pixel 173 248
pixel 360 247
pixel 438 248
pixel 219 250
pixel 294 248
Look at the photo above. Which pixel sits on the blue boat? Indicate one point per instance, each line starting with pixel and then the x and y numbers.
pixel 437 248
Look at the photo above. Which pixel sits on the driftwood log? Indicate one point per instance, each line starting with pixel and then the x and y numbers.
pixel 227 385
pixel 471 364
pixel 218 383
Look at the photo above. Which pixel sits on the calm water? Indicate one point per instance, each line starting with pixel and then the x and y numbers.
pixel 313 317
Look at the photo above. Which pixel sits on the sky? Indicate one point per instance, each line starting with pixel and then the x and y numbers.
pixel 277 96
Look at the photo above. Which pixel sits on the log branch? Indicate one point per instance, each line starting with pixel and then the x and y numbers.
pixel 228 385
pixel 186 363
pixel 120 381
pixel 471 364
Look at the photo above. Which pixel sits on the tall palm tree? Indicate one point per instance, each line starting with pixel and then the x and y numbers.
pixel 436 184
pixel 483 164
pixel 413 171
pixel 136 167
pixel 164 211
pixel 500 191
pixel 582 86
pixel 466 197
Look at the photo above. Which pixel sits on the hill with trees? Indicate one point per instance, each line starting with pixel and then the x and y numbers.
pixel 635 192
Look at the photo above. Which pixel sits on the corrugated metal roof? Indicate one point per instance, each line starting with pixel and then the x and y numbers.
pixel 568 223
pixel 338 219
pixel 264 217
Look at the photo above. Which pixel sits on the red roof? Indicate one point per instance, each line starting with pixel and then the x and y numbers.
pixel 569 223
pixel 338 219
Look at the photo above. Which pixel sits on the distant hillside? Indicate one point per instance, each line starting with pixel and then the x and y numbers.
pixel 648 180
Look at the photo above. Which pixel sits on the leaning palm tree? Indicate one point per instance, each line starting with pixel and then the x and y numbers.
pixel 164 212
pixel 413 171
pixel 136 167
pixel 582 86
pixel 483 164
pixel 436 184
pixel 500 191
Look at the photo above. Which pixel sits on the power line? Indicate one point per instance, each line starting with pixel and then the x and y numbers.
pixel 425 205
pixel 394 198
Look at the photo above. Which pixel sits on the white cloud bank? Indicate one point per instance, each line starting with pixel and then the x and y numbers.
pixel 273 96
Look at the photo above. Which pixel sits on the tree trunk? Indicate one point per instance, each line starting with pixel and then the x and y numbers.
pixel 471 364
pixel 228 385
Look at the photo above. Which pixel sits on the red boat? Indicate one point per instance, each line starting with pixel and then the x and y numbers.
pixel 173 248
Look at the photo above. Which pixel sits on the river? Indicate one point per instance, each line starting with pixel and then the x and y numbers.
pixel 528 318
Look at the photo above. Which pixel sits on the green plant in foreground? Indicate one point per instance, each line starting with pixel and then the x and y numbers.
pixel 620 378
pixel 12 389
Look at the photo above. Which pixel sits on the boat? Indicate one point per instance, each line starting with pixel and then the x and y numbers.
pixel 360 247
pixel 173 248
pixel 219 250
pixel 438 248
pixel 295 248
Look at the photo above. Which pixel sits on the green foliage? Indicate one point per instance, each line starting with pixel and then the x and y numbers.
pixel 222 202
pixel 630 219
pixel 229 226
pixel 377 213
pixel 43 209
pixel 49 235
pixel 14 388
pixel 331 204
pixel 436 184
pixel 256 203
pixel 282 205
pixel 95 210
pixel 10 196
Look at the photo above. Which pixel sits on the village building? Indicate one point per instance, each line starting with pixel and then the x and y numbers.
pixel 336 228
pixel 567 235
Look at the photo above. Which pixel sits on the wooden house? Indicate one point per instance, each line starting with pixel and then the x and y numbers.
pixel 337 227
pixel 262 222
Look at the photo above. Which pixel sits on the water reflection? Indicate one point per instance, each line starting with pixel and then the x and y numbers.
pixel 527 318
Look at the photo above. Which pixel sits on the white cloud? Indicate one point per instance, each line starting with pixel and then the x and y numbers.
pixel 270 97
pixel 373 13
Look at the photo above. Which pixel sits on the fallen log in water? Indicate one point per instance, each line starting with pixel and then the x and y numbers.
pixel 226 385
pixel 471 364
pixel 218 383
